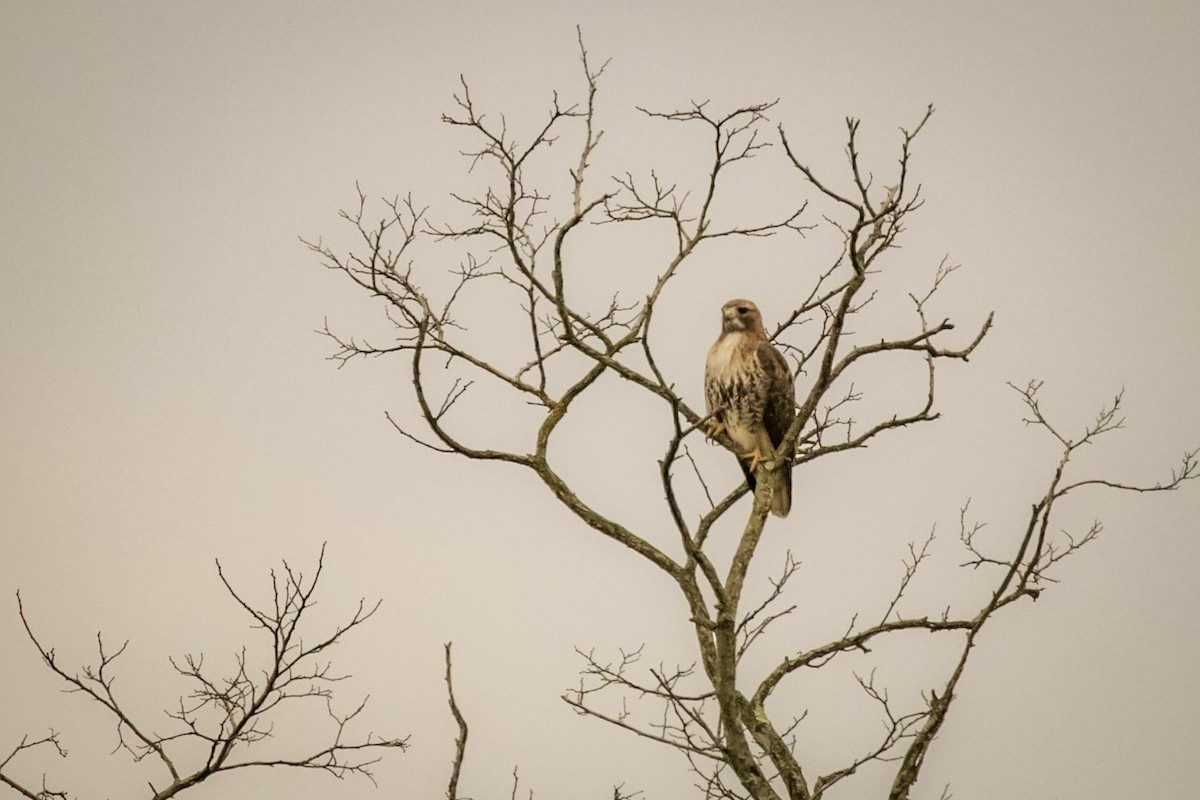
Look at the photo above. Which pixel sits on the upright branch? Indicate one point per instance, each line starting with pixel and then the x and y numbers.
pixel 228 712
pixel 460 743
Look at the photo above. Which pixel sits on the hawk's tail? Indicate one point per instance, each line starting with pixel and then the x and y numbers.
pixel 781 499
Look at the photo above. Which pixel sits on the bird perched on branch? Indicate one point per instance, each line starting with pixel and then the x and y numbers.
pixel 751 396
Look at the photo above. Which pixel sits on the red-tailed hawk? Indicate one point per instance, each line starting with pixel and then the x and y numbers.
pixel 751 395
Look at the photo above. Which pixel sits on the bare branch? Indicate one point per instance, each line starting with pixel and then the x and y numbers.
pixel 50 740
pixel 460 743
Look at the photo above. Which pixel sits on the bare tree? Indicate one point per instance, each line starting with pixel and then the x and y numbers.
pixel 517 244
pixel 219 725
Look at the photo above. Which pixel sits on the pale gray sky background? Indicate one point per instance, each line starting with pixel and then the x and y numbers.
pixel 166 402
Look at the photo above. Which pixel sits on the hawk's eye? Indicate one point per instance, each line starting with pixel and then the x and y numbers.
pixel 743 310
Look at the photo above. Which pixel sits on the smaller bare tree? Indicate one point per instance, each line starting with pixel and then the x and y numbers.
pixel 216 726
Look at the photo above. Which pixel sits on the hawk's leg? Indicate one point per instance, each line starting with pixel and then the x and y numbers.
pixel 755 457
pixel 714 427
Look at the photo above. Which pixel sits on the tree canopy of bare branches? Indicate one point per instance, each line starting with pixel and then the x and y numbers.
pixel 219 726
pixel 517 236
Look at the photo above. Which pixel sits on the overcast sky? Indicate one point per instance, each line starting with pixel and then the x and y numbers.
pixel 166 401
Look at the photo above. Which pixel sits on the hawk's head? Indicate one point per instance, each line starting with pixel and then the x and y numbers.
pixel 741 316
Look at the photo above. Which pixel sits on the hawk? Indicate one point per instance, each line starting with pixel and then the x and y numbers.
pixel 750 395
